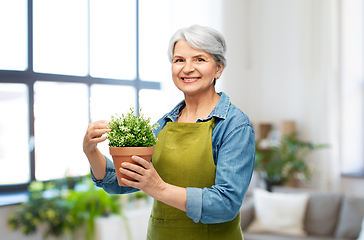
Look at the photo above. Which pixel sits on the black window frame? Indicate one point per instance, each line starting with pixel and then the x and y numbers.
pixel 29 77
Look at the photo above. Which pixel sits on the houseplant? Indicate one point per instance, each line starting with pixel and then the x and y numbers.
pixel 53 211
pixel 63 209
pixel 279 164
pixel 130 135
pixel 90 202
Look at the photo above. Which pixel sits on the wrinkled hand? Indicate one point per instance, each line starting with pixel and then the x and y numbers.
pixel 94 135
pixel 148 180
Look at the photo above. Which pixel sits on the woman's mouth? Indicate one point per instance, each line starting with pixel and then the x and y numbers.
pixel 190 79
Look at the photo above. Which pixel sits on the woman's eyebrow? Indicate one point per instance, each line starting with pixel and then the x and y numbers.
pixel 200 55
pixel 194 56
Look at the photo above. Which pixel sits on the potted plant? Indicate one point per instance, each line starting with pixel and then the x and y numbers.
pixel 279 164
pixel 52 211
pixel 89 203
pixel 62 209
pixel 130 135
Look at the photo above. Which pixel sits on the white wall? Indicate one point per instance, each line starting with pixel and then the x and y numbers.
pixel 283 65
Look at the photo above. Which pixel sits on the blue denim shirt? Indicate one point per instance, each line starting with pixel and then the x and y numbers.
pixel 233 143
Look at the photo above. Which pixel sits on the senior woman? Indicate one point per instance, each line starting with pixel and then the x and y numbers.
pixel 204 158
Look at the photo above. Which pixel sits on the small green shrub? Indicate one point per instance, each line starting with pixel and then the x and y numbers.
pixel 64 210
pixel 131 131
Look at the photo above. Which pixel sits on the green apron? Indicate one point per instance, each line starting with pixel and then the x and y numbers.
pixel 183 157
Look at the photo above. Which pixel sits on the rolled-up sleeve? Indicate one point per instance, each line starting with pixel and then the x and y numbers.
pixel 109 183
pixel 194 204
pixel 234 169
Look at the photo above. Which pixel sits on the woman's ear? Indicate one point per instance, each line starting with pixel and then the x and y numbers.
pixel 219 69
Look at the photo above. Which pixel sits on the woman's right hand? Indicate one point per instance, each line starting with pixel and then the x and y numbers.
pixel 94 135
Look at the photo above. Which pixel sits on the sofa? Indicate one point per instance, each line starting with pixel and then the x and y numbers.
pixel 296 214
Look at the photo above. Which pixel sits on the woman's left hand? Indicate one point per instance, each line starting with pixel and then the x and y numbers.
pixel 147 178
pixel 149 181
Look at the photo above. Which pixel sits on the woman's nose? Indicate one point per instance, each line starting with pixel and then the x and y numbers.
pixel 189 67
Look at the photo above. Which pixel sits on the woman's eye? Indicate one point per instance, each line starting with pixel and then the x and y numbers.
pixel 178 60
pixel 200 60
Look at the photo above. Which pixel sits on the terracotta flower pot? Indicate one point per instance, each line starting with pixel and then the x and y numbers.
pixel 124 154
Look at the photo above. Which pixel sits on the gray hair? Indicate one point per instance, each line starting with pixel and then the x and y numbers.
pixel 202 38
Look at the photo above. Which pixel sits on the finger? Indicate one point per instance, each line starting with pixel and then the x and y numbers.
pixel 103 124
pixel 133 167
pixel 130 183
pixel 89 140
pixel 141 161
pixel 134 175
pixel 97 140
pixel 97 133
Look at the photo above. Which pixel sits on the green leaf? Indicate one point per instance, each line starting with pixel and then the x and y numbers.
pixel 131 131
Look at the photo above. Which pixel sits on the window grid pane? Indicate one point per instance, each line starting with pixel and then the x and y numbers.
pixel 14 39
pixel 60 32
pixel 113 39
pixel 61 119
pixel 14 129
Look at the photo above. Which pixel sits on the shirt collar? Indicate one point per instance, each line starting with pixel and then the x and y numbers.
pixel 220 110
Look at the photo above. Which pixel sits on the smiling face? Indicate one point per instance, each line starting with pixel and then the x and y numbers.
pixel 194 70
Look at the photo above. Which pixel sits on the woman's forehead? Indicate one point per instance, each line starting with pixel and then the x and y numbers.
pixel 182 47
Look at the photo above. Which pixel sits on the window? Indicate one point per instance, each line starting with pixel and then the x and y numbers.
pixel 65 63
pixel 60 37
pixel 14 134
pixel 352 89
pixel 114 54
pixel 60 118
pixel 13 41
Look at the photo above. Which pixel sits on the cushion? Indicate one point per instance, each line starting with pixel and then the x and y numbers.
pixel 350 218
pixel 280 213
pixel 361 235
pixel 247 212
pixel 322 213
